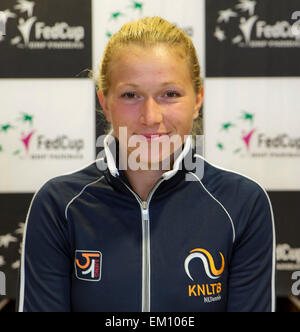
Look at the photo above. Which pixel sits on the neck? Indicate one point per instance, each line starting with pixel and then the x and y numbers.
pixel 144 178
pixel 142 181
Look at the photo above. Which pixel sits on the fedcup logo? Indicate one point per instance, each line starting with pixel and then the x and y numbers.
pixel 2 284
pixel 21 131
pixel 88 265
pixel 21 138
pixel 236 135
pixel 4 16
pixel 154 152
pixel 296 26
pixel 131 10
pixel 60 35
pixel 296 284
pixel 3 19
pixel 242 26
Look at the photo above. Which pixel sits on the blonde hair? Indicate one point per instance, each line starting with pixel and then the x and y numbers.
pixel 147 32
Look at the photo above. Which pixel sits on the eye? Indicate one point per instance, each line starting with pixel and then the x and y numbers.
pixel 129 95
pixel 172 94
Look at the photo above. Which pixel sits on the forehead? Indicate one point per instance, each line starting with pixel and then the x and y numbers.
pixel 159 60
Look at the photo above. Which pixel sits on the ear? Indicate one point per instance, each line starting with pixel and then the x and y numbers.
pixel 104 104
pixel 199 102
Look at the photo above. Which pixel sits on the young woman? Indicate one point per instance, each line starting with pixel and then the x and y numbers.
pixel 127 234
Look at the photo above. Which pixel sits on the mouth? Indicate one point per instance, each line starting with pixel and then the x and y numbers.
pixel 154 136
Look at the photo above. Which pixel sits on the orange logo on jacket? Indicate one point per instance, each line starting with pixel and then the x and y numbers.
pixel 208 262
pixel 210 292
pixel 88 265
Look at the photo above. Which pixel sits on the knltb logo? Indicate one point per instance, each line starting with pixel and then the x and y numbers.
pixel 88 265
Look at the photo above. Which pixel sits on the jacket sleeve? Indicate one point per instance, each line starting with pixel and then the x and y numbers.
pixel 252 266
pixel 45 271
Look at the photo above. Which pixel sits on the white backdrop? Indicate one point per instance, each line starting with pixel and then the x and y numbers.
pixel 252 127
pixel 47 128
pixel 109 16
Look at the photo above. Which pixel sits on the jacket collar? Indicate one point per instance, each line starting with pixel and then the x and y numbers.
pixel 112 162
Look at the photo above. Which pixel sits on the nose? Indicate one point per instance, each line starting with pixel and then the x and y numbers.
pixel 151 112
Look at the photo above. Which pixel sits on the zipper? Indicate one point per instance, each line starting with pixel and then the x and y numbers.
pixel 146 261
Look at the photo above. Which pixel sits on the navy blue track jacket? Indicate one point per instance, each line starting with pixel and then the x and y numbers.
pixel 202 244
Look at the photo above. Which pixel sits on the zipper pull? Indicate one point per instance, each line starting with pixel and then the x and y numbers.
pixel 145 211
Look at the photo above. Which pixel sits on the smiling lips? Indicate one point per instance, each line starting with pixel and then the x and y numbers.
pixel 154 136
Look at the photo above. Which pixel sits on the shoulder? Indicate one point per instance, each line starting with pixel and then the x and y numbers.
pixel 60 190
pixel 224 182
pixel 243 198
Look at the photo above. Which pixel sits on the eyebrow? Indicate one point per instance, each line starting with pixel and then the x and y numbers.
pixel 136 85
pixel 127 85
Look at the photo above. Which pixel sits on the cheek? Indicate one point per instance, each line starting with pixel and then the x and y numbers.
pixel 181 118
pixel 123 115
